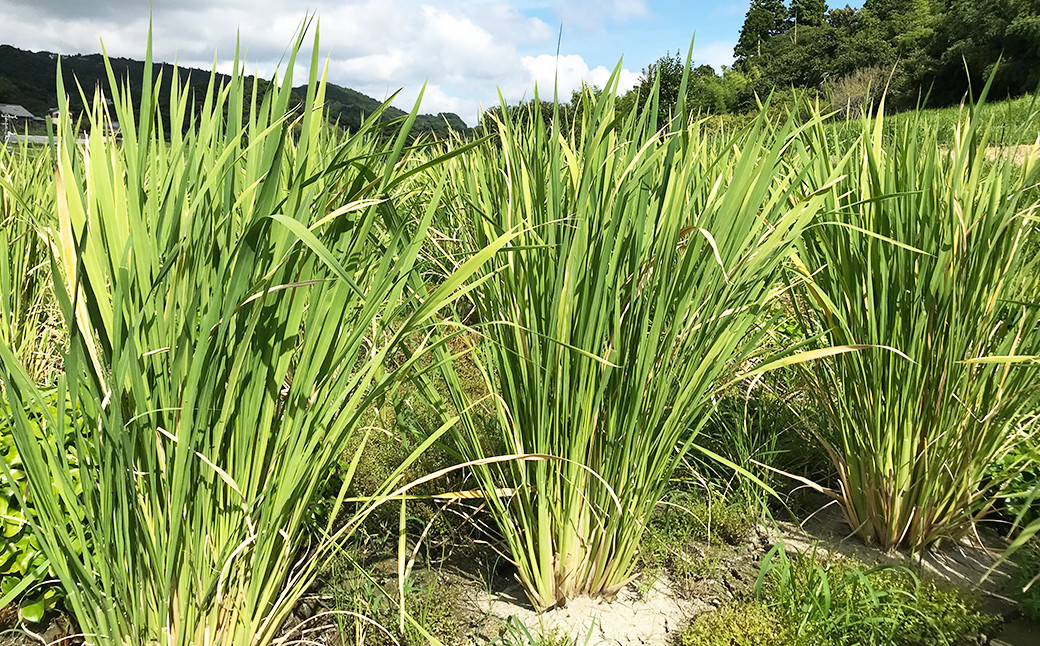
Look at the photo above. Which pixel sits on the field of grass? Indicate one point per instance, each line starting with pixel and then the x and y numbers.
pixel 1011 123
pixel 1014 122
pixel 257 370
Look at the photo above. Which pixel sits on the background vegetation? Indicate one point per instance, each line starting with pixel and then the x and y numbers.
pixel 918 53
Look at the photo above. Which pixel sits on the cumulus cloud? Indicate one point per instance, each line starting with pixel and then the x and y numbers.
pixel 463 51
pixel 569 72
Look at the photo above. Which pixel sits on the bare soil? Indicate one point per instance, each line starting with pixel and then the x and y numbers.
pixel 1019 154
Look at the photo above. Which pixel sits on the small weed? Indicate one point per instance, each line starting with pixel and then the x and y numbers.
pixel 694 567
pixel 428 603
pixel 1024 583
pixel 746 623
pixel 838 602
pixel 687 517
pixel 515 633
pixel 647 580
pixel 687 532
pixel 24 568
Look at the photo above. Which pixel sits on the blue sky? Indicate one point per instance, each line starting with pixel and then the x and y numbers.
pixel 662 26
pixel 465 51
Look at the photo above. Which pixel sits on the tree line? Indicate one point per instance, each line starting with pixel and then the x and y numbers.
pixel 927 53
pixel 925 50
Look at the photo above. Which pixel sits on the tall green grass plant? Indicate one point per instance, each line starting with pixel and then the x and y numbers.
pixel 633 290
pixel 921 249
pixel 231 288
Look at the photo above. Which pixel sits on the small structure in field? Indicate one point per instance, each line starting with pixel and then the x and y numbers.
pixel 15 117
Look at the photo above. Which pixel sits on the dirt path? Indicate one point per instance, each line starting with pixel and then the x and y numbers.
pixel 1019 154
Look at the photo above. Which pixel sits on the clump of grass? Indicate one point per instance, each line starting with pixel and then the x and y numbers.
pixel 1014 122
pixel 515 633
pixel 1025 581
pixel 232 290
pixel 641 266
pixel 30 321
pixel 828 601
pixel 919 262
pixel 367 609
pixel 686 530
pixel 743 623
pixel 755 431
pixel 704 517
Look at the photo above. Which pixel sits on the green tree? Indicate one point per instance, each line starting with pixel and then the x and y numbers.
pixel 8 90
pixel 859 41
pixel 842 18
pixel 667 71
pixel 804 60
pixel 764 19
pixel 973 35
pixel 810 13
pixel 707 94
pixel 907 24
pixel 883 9
pixel 706 91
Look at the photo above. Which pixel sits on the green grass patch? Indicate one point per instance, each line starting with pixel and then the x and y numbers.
pixel 742 623
pixel 839 602
pixel 811 600
pixel 1014 122
pixel 1025 581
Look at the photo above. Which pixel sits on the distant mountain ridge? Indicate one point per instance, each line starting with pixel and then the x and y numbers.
pixel 29 79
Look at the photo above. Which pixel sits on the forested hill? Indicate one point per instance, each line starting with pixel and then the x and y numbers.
pixel 29 79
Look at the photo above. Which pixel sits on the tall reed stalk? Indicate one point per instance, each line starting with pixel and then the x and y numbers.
pixel 920 249
pixel 635 286
pixel 231 287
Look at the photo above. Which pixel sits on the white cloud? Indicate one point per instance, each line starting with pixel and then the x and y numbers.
pixel 436 100
pixel 569 72
pixel 369 68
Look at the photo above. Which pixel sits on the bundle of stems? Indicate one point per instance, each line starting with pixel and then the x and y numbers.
pixel 921 249
pixel 634 288
pixel 29 318
pixel 232 280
